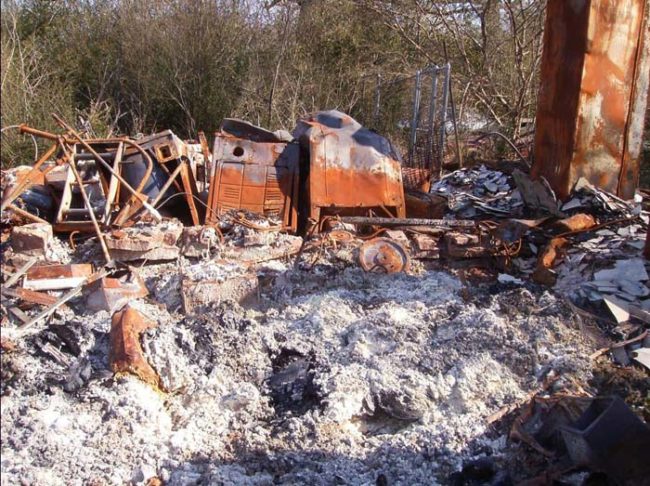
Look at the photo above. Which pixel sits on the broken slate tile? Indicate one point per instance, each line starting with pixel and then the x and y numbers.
pixel 633 269
pixel 626 296
pixel 491 186
pixel 636 289
pixel 638 244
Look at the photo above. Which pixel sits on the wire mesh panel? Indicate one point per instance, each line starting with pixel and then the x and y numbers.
pixel 412 113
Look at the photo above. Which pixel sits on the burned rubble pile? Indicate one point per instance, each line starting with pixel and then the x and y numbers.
pixel 175 315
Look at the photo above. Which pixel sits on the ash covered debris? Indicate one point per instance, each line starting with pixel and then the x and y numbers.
pixel 292 338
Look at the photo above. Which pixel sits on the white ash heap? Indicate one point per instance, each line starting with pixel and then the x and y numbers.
pixel 335 376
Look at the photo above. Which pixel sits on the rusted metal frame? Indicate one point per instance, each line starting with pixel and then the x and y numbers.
pixel 114 185
pixel 89 206
pixel 291 209
pixel 213 192
pixel 168 184
pixel 64 298
pixel 432 114
pixel 136 193
pixel 25 214
pixel 176 183
pixel 416 115
pixel 134 203
pixel 24 182
pixel 189 194
pixel 206 155
pixel 443 117
pixel 20 272
pixel 24 128
pixel 444 223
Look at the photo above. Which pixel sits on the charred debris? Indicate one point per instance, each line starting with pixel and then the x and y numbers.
pixel 115 225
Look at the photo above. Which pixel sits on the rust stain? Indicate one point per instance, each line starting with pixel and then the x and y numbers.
pixel 588 102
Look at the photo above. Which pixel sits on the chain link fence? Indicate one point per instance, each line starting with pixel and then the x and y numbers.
pixel 412 112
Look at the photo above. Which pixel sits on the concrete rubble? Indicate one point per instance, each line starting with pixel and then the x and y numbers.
pixel 215 343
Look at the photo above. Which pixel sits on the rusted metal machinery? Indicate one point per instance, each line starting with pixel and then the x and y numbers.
pixel 351 170
pixel 593 96
pixel 254 169
pixel 102 183
pixel 339 168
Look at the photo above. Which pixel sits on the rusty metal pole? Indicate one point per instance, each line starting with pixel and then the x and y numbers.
pixel 91 212
pixel 593 95
pixel 20 187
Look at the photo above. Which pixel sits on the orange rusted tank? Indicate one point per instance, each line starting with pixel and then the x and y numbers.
pixel 593 95
pixel 351 170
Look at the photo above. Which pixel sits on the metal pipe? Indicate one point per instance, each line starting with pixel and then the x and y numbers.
pixel 25 214
pixel 167 185
pixel 432 115
pixel 443 116
pixel 414 119
pixel 407 222
pixel 91 212
pixel 20 187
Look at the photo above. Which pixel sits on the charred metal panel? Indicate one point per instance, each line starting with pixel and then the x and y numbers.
pixel 257 176
pixel 350 167
pixel 593 94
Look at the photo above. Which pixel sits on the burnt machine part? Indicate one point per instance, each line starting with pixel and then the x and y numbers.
pixel 37 200
pixel 352 170
pixel 168 152
pixel 383 255
pixel 243 129
pixel 608 437
pixel 261 177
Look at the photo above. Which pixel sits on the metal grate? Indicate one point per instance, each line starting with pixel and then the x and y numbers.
pixel 411 112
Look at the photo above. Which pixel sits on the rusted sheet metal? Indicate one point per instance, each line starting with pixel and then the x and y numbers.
pixel 547 259
pixel 593 97
pixel 351 169
pixel 31 296
pixel 577 222
pixel 126 355
pixel 57 277
pixel 258 176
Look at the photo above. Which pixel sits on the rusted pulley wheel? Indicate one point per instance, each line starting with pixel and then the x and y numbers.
pixel 383 255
